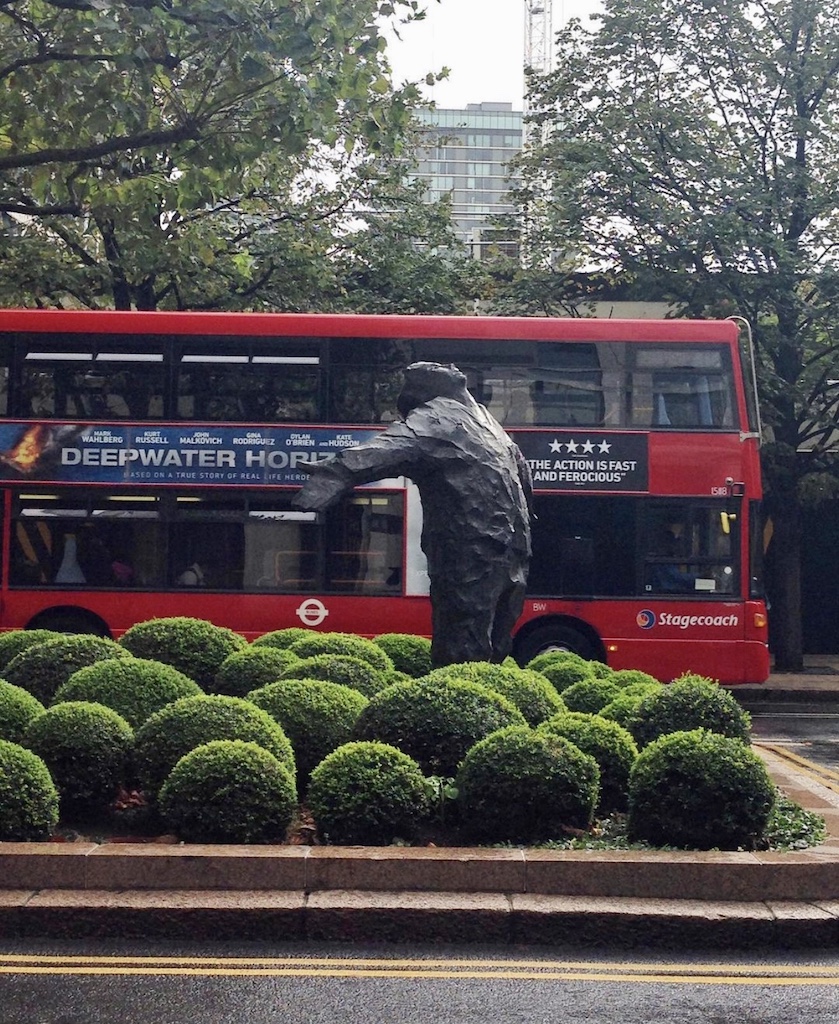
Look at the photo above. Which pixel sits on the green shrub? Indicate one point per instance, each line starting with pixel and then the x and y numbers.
pixel 410 654
pixel 640 689
pixel 87 749
pixel 435 721
pixel 43 667
pixel 251 668
pixel 632 676
pixel 17 640
pixel 701 790
pixel 282 638
pixel 17 709
pixel 367 793
pixel 229 791
pixel 689 703
pixel 590 695
pixel 622 709
pixel 133 687
pixel 566 672
pixel 341 668
pixel 556 658
pixel 522 785
pixel 611 746
pixel 343 643
pixel 193 646
pixel 192 721
pixel 317 716
pixel 530 691
pixel 600 670
pixel 397 677
pixel 28 797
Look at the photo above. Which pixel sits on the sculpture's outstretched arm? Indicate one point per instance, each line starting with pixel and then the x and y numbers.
pixel 388 454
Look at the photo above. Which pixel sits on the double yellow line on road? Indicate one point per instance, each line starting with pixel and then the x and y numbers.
pixel 501 969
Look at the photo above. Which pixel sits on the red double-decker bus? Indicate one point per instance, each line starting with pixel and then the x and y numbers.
pixel 149 461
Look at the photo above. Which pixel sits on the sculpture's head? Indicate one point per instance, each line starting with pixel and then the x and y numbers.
pixel 424 381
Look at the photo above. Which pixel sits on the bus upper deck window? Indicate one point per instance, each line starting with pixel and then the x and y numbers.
pixel 680 387
pixel 249 381
pixel 103 377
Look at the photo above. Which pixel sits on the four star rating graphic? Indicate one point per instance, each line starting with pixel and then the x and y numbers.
pixel 587 447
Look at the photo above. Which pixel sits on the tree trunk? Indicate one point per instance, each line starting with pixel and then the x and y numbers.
pixel 783 564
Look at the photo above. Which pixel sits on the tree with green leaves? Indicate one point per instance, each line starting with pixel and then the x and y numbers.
pixel 188 154
pixel 691 148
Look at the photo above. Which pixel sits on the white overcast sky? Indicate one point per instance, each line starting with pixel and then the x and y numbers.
pixel 480 41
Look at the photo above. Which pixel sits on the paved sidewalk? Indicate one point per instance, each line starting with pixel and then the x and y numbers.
pixel 820 679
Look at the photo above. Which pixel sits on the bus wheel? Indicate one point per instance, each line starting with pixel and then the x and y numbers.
pixel 70 620
pixel 558 637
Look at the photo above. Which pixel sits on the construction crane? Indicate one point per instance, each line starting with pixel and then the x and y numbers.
pixel 538 58
pixel 538 52
pixel 538 35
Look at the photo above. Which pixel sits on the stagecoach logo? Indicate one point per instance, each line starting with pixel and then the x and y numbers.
pixel 312 612
pixel 585 461
pixel 646 619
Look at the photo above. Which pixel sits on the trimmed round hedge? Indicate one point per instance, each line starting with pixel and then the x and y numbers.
pixel 622 709
pixel 435 721
pixel 691 702
pixel 193 646
pixel 192 721
pixel 556 658
pixel 229 791
pixel 590 695
pixel 17 709
pixel 530 691
pixel 522 785
pixel 632 676
pixel 28 797
pixel 251 668
pixel 87 749
pixel 317 716
pixel 367 793
pixel 564 672
pixel 17 640
pixel 340 668
pixel 133 687
pixel 410 654
pixel 45 666
pixel 609 744
pixel 343 643
pixel 282 638
pixel 600 670
pixel 699 790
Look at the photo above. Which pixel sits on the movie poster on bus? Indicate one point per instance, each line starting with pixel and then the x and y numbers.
pixel 166 454
pixel 565 460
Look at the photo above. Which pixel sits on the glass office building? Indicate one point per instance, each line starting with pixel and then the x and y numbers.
pixel 467 157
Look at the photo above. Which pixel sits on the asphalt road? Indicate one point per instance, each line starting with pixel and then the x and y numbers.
pixel 810 730
pixel 94 983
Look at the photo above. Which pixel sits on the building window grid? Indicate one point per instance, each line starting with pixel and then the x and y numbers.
pixel 466 157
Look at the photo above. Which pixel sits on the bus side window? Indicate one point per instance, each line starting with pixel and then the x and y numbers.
pixel 682 400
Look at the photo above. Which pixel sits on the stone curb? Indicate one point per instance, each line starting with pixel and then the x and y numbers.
pixel 353 916
pixel 750 877
pixel 432 894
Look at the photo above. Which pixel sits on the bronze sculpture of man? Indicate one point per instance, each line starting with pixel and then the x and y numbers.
pixel 475 490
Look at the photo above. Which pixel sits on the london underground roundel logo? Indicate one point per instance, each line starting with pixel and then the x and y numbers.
pixel 312 612
pixel 645 618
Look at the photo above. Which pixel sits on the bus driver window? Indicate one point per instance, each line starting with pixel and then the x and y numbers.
pixel 668 575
